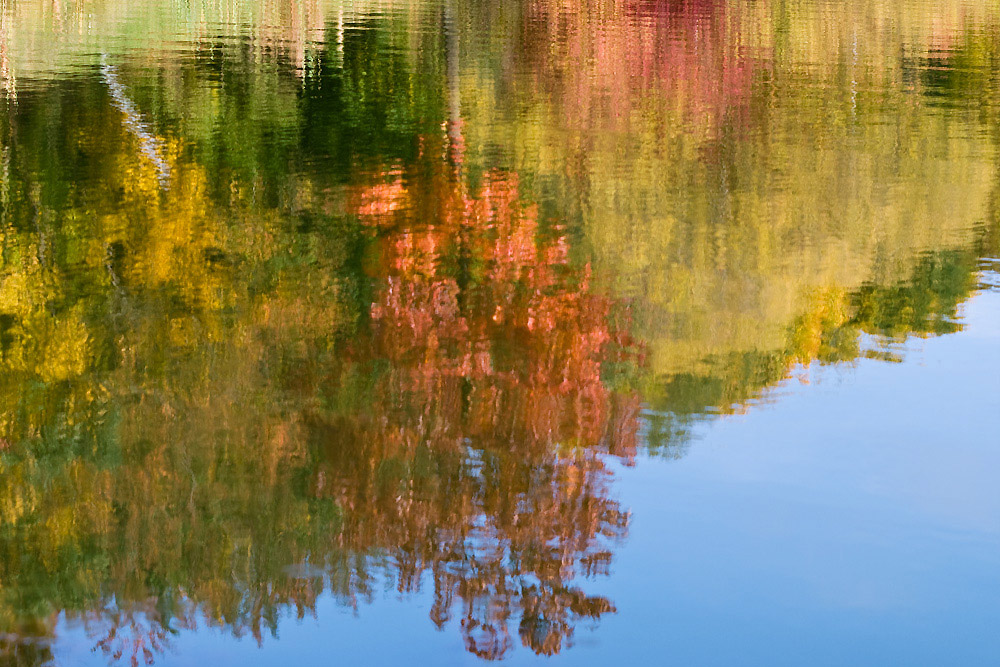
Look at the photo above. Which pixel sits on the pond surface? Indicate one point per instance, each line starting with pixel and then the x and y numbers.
pixel 436 332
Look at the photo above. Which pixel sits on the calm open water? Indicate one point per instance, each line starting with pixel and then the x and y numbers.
pixel 434 332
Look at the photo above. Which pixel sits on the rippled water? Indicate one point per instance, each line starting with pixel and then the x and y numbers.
pixel 436 332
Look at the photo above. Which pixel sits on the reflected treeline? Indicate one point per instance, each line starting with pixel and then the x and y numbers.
pixel 231 392
pixel 839 327
pixel 395 313
pixel 768 155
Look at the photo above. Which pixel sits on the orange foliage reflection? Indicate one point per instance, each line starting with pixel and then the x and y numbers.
pixel 484 461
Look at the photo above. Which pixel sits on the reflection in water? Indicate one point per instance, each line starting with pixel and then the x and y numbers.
pixel 149 145
pixel 311 302
pixel 233 407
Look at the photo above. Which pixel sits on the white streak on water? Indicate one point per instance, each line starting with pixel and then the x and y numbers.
pixel 150 145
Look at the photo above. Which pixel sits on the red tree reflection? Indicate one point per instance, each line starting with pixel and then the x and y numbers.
pixel 483 461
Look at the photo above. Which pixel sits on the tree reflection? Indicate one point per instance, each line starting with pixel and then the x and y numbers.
pixel 342 345
pixel 482 456
pixel 216 454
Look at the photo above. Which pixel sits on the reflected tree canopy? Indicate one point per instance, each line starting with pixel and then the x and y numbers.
pixel 325 308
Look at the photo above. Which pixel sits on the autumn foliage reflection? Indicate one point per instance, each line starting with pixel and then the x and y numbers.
pixel 483 461
pixel 440 415
pixel 344 345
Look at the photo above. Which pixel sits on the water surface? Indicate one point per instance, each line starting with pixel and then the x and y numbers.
pixel 441 332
